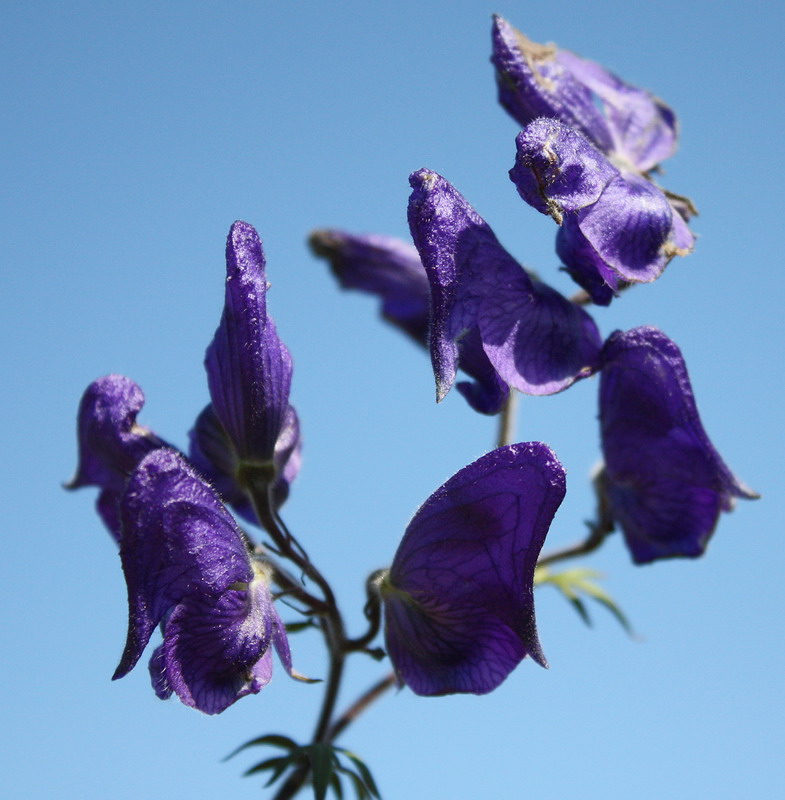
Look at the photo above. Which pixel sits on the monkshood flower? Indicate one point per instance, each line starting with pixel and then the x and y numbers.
pixel 187 568
pixel 111 442
pixel 459 598
pixel 663 482
pixel 489 316
pixel 392 270
pixel 251 435
pixel 382 266
pixel 615 226
pixel 630 127
pixel 630 124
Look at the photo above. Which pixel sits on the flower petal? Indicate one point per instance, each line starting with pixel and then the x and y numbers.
pixel 539 342
pixel 459 603
pixel 629 227
pixel 249 369
pixel 178 542
pixel 213 645
pixel 665 482
pixel 383 266
pixel 644 129
pixel 111 443
pixel 557 170
pixel 533 83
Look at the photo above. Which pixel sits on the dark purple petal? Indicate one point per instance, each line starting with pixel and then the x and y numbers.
pixel 111 443
pixel 614 225
pixel 583 263
pixel 157 669
pixel 382 266
pixel 213 646
pixel 630 227
pixel 557 170
pixel 533 83
pixel 459 601
pixel 539 342
pixel 213 455
pixel 664 481
pixel 534 339
pixel 178 542
pixel 249 370
pixel 644 129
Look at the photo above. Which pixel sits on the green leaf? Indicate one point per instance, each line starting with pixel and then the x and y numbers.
pixel 270 763
pixel 322 762
pixel 273 739
pixel 364 772
pixel 336 786
pixel 581 581
pixel 359 787
pixel 296 627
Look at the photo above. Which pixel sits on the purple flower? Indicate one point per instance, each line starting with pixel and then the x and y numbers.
pixel 459 598
pixel 536 80
pixel 591 172
pixel 488 316
pixel 249 373
pixel 664 483
pixel 614 226
pixel 187 567
pixel 383 266
pixel 111 442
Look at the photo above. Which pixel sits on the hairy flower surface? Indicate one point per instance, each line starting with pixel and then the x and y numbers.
pixel 536 80
pixel 252 432
pixel 459 598
pixel 111 442
pixel 486 311
pixel 187 567
pixel 591 172
pixel 663 482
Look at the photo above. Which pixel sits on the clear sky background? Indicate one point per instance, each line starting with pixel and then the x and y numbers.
pixel 133 135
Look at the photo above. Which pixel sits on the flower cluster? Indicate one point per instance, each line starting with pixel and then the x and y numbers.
pixel 457 602
pixel 187 565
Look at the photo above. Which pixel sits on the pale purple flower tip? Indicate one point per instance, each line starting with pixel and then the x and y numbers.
pixel 459 598
pixel 187 567
pixel 664 483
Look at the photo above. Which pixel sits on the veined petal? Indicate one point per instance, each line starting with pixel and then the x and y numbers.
pixel 533 82
pixel 459 602
pixel 249 369
pixel 534 339
pixel 644 129
pixel 664 481
pixel 538 341
pixel 629 227
pixel 178 542
pixel 583 263
pixel 111 443
pixel 557 170
pixel 382 266
pixel 213 646
pixel 463 261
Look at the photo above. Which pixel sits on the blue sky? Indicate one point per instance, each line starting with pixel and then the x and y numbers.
pixel 134 135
